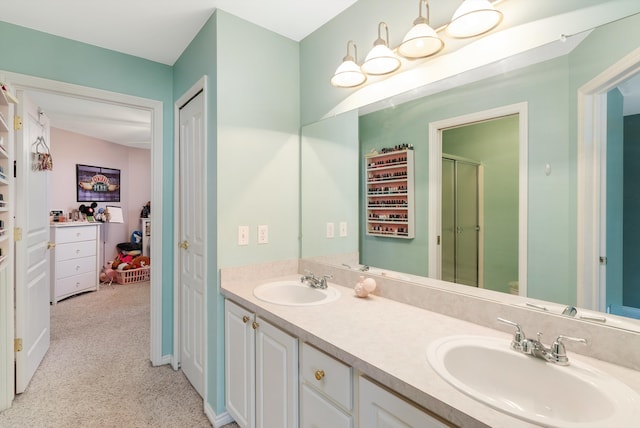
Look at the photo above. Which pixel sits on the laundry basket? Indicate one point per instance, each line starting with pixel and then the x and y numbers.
pixel 133 275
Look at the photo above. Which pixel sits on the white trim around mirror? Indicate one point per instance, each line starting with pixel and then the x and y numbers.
pixel 435 178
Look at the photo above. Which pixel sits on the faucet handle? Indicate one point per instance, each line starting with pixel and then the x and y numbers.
pixel 559 352
pixel 518 336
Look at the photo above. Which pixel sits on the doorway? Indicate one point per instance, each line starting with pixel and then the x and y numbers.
pixel 504 279
pixel 191 272
pixel 30 83
pixel 599 253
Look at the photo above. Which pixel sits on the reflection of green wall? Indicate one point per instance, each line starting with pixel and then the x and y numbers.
pixel 550 89
pixel 551 228
pixel 631 291
pixel 495 145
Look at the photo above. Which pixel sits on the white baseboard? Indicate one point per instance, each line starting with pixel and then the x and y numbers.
pixel 166 359
pixel 217 420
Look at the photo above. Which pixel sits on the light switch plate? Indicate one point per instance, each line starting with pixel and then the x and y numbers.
pixel 330 230
pixel 243 235
pixel 263 234
pixel 343 229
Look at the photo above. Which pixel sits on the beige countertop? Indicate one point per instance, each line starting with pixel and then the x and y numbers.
pixel 387 341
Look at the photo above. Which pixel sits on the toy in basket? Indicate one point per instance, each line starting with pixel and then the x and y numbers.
pixel 128 270
pixel 133 275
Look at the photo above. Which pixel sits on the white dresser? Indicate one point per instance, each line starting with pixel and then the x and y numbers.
pixel 74 259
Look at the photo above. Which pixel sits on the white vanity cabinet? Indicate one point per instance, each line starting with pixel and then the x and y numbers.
pixel 326 390
pixel 380 408
pixel 74 259
pixel 261 371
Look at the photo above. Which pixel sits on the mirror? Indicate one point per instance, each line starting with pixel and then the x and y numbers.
pixel 549 89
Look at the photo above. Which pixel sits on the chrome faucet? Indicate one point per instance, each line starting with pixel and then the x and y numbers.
pixel 556 353
pixel 570 311
pixel 312 281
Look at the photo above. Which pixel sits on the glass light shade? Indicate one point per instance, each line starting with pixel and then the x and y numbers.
pixel 420 42
pixel 348 75
pixel 380 60
pixel 472 18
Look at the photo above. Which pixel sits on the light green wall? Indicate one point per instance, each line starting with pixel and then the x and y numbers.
pixel 545 87
pixel 495 145
pixel 329 185
pixel 198 60
pixel 43 55
pixel 253 122
pixel 258 142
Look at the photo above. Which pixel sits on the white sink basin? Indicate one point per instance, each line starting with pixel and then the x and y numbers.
pixel 488 370
pixel 295 293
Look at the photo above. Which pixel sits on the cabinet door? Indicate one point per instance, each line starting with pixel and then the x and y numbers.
pixel 239 364
pixel 317 412
pixel 382 409
pixel 276 377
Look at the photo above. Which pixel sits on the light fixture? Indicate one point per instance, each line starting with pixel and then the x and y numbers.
pixel 472 18
pixel 421 41
pixel 349 74
pixel 381 59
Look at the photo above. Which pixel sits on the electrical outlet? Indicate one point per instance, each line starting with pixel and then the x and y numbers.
pixel 263 234
pixel 243 235
pixel 343 229
pixel 330 232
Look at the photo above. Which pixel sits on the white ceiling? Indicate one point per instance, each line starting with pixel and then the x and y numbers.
pixel 160 30
pixel 139 27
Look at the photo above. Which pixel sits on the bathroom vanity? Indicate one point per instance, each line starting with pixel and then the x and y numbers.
pixel 365 359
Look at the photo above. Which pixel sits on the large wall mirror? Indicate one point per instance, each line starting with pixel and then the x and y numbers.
pixel 528 193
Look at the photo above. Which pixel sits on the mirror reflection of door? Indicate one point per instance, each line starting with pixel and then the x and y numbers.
pixel 487 215
pixel 622 200
pixel 460 220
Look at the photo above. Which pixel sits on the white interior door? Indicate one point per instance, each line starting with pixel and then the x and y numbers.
pixel 192 232
pixel 32 274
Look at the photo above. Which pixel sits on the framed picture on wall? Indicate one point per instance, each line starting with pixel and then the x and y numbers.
pixel 97 184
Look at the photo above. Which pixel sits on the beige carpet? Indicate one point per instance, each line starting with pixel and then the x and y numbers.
pixel 97 372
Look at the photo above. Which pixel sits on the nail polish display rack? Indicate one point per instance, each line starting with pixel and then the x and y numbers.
pixel 390 194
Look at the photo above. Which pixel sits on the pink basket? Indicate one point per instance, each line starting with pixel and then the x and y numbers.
pixel 133 275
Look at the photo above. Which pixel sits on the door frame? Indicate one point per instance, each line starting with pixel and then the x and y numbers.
pixel 199 86
pixel 28 82
pixel 592 180
pixel 435 182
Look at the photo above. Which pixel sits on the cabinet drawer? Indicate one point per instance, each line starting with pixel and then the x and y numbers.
pixel 75 233
pixel 75 284
pixel 317 412
pixel 75 267
pixel 336 380
pixel 75 250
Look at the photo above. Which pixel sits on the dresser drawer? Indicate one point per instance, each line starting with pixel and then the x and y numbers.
pixel 75 250
pixel 75 284
pixel 336 380
pixel 75 233
pixel 76 267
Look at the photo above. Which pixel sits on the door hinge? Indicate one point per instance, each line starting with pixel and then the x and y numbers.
pixel 603 260
pixel 17 234
pixel 17 123
pixel 17 345
pixel 438 240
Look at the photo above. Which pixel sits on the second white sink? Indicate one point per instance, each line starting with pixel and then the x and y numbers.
pixel 295 293
pixel 488 370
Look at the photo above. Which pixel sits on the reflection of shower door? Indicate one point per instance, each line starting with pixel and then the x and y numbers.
pixel 460 225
